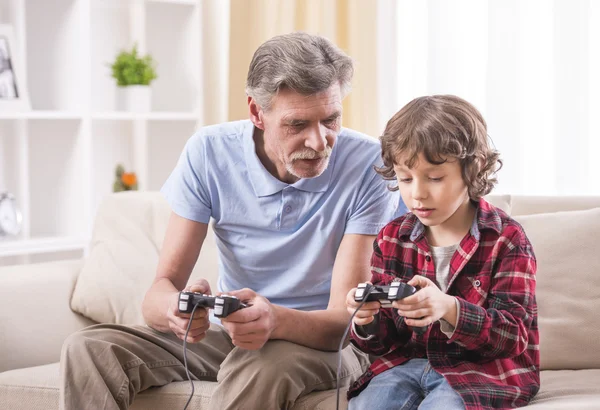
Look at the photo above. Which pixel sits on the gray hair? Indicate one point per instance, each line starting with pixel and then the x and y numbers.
pixel 302 62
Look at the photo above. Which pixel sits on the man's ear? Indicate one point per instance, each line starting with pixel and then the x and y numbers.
pixel 255 113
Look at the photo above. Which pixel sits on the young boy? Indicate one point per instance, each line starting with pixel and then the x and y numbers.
pixel 472 265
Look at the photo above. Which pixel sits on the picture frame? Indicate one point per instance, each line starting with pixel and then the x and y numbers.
pixel 14 94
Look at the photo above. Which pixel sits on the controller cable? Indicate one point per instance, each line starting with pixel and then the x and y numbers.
pixel 243 305
pixel 185 354
pixel 339 364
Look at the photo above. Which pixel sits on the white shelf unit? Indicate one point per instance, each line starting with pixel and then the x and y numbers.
pixel 59 158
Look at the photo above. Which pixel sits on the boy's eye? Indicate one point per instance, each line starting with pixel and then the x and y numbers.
pixel 405 179
pixel 436 179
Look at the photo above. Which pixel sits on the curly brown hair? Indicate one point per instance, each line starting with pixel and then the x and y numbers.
pixel 442 127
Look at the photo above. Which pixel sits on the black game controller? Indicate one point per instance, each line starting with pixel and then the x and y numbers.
pixel 385 295
pixel 223 305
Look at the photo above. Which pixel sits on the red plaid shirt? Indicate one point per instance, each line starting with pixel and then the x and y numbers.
pixel 492 359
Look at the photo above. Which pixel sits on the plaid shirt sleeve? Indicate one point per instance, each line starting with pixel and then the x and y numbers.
pixel 501 330
pixel 392 333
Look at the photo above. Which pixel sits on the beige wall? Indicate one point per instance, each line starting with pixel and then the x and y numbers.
pixel 348 23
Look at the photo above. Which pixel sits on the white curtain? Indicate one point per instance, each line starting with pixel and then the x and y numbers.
pixel 531 66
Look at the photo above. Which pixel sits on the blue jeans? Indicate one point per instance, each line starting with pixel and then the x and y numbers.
pixel 412 385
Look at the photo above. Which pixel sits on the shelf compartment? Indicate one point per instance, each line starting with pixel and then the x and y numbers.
pixel 10 165
pixel 166 141
pixel 112 144
pixel 177 53
pixel 56 180
pixel 54 73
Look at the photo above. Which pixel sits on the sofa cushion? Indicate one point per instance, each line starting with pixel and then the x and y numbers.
pixel 568 286
pixel 503 202
pixel 128 234
pixel 37 388
pixel 567 389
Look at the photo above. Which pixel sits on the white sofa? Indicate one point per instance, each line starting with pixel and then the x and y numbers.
pixel 37 302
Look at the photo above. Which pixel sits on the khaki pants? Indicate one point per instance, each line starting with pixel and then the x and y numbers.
pixel 105 366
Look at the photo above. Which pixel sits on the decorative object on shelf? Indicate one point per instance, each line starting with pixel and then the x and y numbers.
pixel 134 74
pixel 13 84
pixel 10 215
pixel 125 181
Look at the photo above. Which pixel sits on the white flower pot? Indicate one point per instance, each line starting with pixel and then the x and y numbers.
pixel 134 98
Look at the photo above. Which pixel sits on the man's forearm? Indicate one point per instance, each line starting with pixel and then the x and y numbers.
pixel 156 304
pixel 320 329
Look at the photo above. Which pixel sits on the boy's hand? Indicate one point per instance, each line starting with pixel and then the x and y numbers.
pixel 427 305
pixel 367 312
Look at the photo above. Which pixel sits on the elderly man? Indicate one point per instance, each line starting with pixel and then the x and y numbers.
pixel 296 203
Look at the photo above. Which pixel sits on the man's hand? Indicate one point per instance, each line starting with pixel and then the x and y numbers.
pixel 178 322
pixel 427 305
pixel 367 312
pixel 250 328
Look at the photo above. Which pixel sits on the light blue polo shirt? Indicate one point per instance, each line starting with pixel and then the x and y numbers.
pixel 279 239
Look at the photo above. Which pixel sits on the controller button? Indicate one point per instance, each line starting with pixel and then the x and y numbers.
pixel 183 306
pixel 218 310
pixel 428 258
pixel 184 296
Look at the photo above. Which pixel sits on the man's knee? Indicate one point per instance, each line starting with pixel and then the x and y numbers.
pixel 86 341
pixel 277 361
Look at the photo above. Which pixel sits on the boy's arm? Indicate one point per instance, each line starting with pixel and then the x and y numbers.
pixel 502 330
pixel 388 336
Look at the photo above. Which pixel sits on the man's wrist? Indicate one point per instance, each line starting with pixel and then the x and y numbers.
pixel 276 312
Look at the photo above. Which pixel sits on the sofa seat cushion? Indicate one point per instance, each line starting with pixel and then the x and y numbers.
pixel 568 389
pixel 37 388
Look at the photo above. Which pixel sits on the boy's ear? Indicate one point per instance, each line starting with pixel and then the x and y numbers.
pixel 256 113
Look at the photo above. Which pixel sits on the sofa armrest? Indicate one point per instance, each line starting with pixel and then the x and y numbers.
pixel 35 316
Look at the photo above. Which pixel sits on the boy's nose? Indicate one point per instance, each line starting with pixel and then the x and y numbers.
pixel 418 191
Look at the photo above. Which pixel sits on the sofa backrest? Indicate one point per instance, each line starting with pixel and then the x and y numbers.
pixel 130 227
pixel 563 232
pixel 128 234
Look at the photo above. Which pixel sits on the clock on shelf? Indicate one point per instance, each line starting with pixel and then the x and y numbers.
pixel 10 215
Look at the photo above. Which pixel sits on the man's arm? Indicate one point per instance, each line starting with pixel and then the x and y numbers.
pixel 323 329
pixel 180 250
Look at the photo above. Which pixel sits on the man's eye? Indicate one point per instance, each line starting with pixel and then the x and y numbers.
pixel 405 180
pixel 436 179
pixel 296 127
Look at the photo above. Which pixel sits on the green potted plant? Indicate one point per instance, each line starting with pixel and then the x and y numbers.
pixel 133 73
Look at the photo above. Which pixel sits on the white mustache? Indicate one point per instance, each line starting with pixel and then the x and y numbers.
pixel 311 154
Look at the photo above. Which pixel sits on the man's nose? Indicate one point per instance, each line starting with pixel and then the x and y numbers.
pixel 316 139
